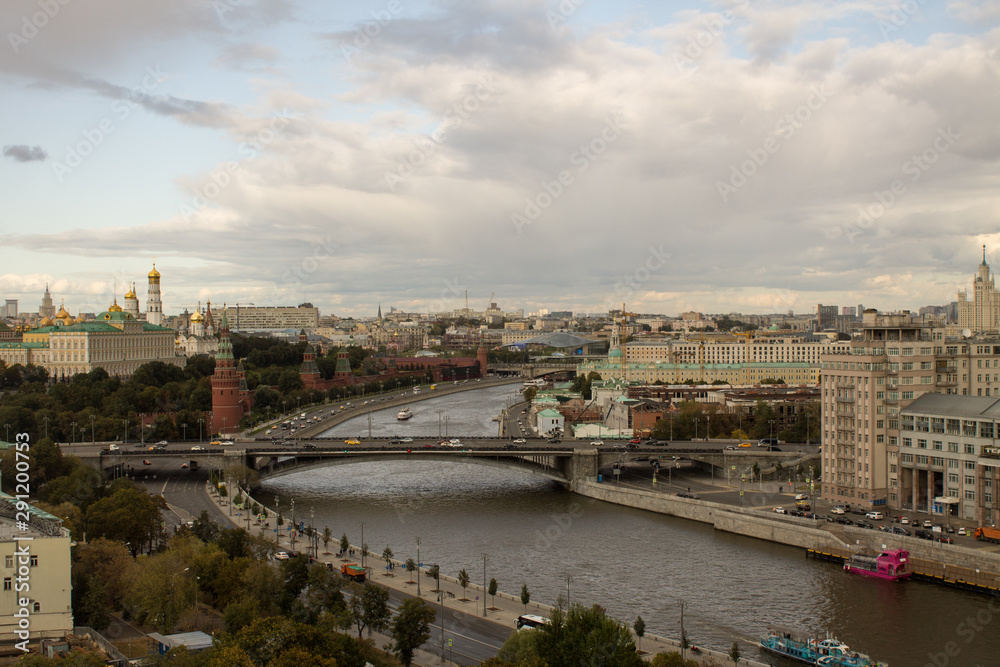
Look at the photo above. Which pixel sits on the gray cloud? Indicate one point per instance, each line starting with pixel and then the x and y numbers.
pixel 23 153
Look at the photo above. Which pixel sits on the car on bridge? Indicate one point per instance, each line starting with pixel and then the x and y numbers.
pixel 197 448
pixel 226 443
pixel 597 443
pixel 308 445
pixel 163 442
pixel 520 441
pixel 214 443
pixel 352 441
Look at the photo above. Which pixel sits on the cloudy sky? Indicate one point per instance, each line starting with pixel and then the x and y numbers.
pixel 738 155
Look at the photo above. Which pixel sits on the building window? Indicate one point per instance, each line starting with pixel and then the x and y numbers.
pixel 8 583
pixel 953 477
pixel 8 562
pixel 37 607
pixel 970 480
pixel 970 494
pixel 970 448
pixel 921 444
pixel 34 561
pixel 970 465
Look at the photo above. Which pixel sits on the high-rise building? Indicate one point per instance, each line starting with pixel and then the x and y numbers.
pixel 47 309
pixel 154 307
pixel 893 362
pixel 826 317
pixel 982 314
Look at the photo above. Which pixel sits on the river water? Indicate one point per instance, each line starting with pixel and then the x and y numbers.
pixel 630 561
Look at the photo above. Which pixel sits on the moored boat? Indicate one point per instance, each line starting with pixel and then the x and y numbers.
pixel 827 652
pixel 890 564
pixel 404 414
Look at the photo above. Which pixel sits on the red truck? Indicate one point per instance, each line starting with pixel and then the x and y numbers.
pixel 353 571
pixel 987 534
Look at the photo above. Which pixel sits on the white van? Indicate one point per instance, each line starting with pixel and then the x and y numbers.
pixel 877 516
pixel 802 496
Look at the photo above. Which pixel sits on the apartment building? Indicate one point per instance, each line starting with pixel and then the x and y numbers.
pixel 949 462
pixel 893 362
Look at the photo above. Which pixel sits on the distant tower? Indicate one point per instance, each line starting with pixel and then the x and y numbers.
pixel 47 309
pixel 209 320
pixel 343 368
pixel 230 397
pixel 154 307
pixel 481 355
pixel 309 372
pixel 131 303
pixel 380 312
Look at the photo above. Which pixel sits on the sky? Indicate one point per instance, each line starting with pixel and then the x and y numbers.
pixel 752 156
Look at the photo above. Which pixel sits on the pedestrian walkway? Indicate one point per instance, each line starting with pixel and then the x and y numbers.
pixel 503 609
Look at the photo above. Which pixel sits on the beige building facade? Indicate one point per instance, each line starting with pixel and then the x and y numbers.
pixel 36 589
pixel 279 317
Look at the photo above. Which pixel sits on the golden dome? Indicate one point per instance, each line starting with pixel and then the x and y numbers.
pixel 80 319
pixel 154 273
pixel 131 293
pixel 46 322
pixel 63 313
pixel 114 308
pixel 197 317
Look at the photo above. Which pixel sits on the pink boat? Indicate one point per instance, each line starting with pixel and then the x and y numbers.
pixel 891 564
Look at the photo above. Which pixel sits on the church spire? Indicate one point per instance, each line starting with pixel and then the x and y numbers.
pixel 984 254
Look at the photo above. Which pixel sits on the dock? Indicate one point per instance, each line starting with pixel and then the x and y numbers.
pixel 926 570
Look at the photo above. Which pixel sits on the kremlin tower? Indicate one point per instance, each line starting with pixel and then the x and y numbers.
pixel 154 307
pixel 231 399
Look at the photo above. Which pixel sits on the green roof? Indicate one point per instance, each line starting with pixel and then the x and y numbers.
pixel 23 346
pixel 550 414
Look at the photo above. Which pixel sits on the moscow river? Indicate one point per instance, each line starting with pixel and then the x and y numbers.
pixel 629 561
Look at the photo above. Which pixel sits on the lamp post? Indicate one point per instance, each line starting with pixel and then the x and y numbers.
pixel 73 424
pixel 312 524
pixel 807 427
pixel 184 426
pixel 46 419
pixel 484 584
pixel 441 602
pixel 770 423
pixel 363 550
pixel 172 580
pixel 418 566
pixel 201 423
pixel 126 431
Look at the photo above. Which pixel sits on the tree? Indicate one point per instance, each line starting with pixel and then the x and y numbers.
pixel 685 643
pixel 435 573
pixel 345 544
pixel 525 597
pixel 756 470
pixel 387 557
pixel 411 567
pixel 492 590
pixel 411 628
pixel 128 516
pixel 579 636
pixel 327 536
pixel 734 653
pixel 640 629
pixel 463 581
pixel 369 607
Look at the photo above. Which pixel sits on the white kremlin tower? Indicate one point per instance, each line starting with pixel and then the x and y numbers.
pixel 154 307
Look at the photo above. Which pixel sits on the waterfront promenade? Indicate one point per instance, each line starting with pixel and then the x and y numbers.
pixel 503 609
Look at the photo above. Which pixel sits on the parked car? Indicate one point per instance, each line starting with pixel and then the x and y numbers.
pixel 877 516
pixel 945 539
pixel 896 530
pixel 962 531
pixel 928 523
pixel 905 520
pixel 922 534
pixel 838 510
pixel 779 510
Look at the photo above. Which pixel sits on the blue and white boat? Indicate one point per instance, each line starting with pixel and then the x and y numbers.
pixel 827 652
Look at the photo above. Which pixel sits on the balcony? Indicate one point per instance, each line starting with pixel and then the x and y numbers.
pixel 845 399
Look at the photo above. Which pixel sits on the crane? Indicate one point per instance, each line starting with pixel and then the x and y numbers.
pixel 623 335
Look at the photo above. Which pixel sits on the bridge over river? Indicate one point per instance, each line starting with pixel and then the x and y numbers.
pixel 567 462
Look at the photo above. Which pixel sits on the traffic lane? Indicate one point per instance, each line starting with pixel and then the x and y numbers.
pixel 473 638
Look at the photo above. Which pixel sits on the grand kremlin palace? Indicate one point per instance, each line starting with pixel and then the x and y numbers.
pixel 115 341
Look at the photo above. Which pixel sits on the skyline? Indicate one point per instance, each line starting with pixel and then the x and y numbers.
pixel 733 156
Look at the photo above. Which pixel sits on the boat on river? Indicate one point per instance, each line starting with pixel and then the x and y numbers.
pixel 827 652
pixel 404 414
pixel 890 564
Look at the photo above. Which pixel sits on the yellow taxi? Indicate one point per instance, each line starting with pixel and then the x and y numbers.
pixel 352 441
pixel 216 443
pixel 745 444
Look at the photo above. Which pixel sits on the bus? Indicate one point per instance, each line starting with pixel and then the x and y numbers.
pixel 531 621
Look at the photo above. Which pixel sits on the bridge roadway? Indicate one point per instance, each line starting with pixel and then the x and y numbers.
pixel 564 462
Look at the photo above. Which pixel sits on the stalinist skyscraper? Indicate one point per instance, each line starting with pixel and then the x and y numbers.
pixel 982 314
pixel 154 307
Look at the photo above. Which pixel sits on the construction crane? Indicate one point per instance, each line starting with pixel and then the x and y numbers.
pixel 623 335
